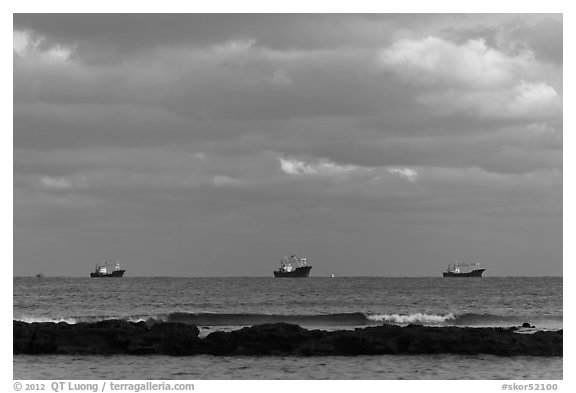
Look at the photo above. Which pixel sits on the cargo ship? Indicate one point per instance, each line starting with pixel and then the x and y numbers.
pixel 459 269
pixel 293 266
pixel 105 270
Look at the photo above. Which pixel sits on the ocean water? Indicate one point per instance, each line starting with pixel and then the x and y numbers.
pixel 319 303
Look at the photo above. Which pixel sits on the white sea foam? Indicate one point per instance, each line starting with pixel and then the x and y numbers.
pixel 412 318
pixel 32 319
pixel 74 320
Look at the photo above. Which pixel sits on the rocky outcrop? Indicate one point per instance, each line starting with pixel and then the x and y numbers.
pixel 122 337
pixel 105 337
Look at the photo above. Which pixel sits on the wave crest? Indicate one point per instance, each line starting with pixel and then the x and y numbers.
pixel 412 318
pixel 317 320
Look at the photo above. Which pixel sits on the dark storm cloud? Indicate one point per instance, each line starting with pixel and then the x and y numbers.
pixel 543 36
pixel 120 33
pixel 339 134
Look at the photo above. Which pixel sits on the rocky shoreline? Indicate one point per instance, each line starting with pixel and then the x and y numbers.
pixel 111 337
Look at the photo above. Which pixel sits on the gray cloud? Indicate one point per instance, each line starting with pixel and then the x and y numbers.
pixel 109 37
pixel 332 134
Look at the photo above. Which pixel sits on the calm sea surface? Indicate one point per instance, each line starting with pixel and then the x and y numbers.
pixel 326 303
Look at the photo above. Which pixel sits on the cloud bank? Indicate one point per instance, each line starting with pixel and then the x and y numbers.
pixel 328 135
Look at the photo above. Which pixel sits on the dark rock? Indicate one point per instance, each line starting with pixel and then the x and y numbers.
pixel 122 337
pixel 267 339
pixel 104 337
pixel 527 325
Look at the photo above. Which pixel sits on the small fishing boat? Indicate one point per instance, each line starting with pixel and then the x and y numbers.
pixel 105 269
pixel 293 266
pixel 459 269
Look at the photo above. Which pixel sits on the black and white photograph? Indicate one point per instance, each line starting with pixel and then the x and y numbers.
pixel 287 196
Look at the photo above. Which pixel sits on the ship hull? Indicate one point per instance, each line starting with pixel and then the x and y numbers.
pixel 473 273
pixel 303 271
pixel 115 273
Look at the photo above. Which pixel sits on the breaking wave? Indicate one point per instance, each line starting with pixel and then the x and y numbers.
pixel 417 318
pixel 320 320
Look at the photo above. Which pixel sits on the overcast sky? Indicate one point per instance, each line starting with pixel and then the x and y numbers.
pixel 213 145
